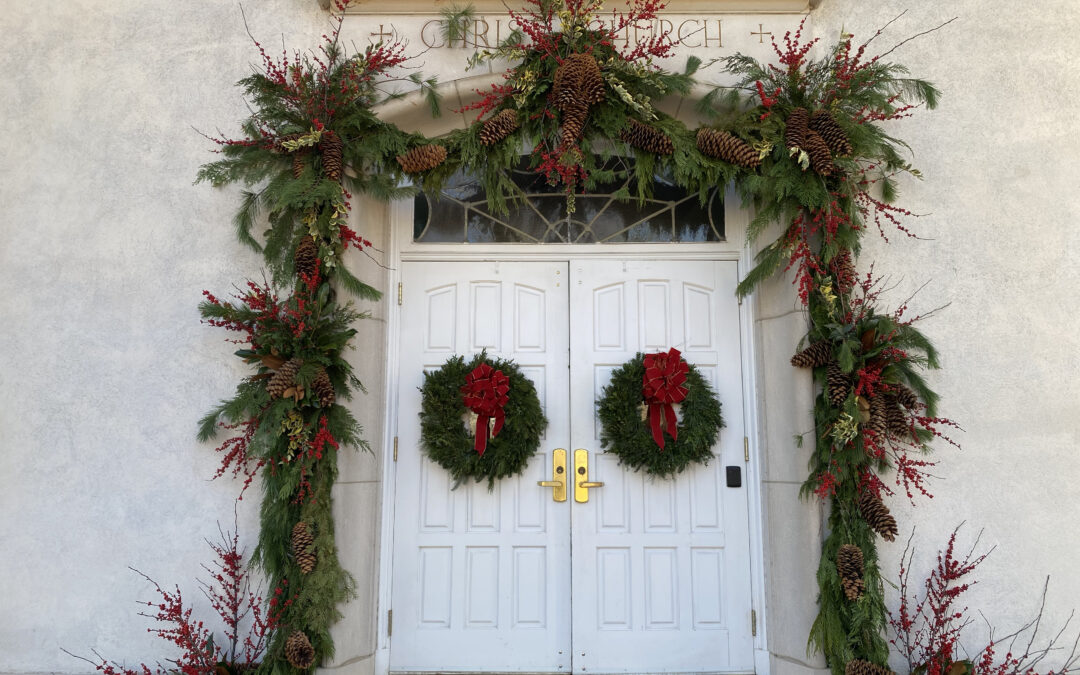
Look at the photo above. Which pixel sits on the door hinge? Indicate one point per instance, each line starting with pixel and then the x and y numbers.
pixel 753 623
pixel 390 623
pixel 395 448
pixel 745 449
pixel 399 292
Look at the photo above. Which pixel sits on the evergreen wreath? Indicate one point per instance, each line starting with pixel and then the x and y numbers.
pixel 447 441
pixel 626 432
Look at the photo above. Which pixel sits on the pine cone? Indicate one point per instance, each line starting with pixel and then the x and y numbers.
pixel 849 565
pixel 498 127
pixel 306 257
pixel 795 133
pixel 422 158
pixel 323 388
pixel 820 159
pixel 906 397
pixel 825 125
pixel 722 145
pixel 896 420
pixel 577 81
pixel 297 164
pixel 298 650
pixel 860 667
pixel 837 384
pixel 817 354
pixel 302 542
pixel 284 378
pixel 877 515
pixel 331 147
pixel 878 416
pixel 843 266
pixel 573 123
pixel 647 138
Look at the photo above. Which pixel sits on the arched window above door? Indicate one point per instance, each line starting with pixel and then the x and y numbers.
pixel 459 214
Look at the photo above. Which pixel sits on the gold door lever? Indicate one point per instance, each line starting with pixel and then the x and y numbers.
pixel 581 476
pixel 558 473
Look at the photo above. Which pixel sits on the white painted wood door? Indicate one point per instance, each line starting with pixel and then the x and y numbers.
pixel 661 568
pixel 481 579
pixel 659 579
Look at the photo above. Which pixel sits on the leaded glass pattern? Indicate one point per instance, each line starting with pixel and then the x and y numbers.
pixel 459 214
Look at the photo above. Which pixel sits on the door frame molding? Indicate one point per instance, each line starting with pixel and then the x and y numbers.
pixel 734 248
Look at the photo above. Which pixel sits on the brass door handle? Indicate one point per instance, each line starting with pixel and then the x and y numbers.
pixel 581 476
pixel 558 473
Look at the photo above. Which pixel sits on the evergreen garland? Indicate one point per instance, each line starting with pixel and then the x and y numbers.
pixel 312 141
pixel 626 434
pixel 445 439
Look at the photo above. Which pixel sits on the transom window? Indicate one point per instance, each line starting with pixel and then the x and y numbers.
pixel 460 214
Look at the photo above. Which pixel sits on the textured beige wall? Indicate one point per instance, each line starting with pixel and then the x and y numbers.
pixel 105 246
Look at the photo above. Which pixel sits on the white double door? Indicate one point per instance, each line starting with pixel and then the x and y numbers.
pixel 648 575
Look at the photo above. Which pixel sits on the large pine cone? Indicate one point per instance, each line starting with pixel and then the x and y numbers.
pixel 879 408
pixel 498 127
pixel 331 148
pixel 896 420
pixel 422 158
pixel 843 266
pixel 817 354
pixel 837 384
pixel 306 257
pixel 860 667
pixel 795 133
pixel 573 123
pixel 877 515
pixel 577 81
pixel 825 125
pixel 849 565
pixel 323 388
pixel 722 145
pixel 820 159
pixel 298 650
pixel 298 164
pixel 906 397
pixel 647 138
pixel 284 378
pixel 302 543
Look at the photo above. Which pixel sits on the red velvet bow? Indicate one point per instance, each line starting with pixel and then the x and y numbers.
pixel 663 386
pixel 484 393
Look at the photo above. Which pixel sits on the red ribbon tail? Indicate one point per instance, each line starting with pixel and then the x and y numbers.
pixel 481 434
pixel 672 421
pixel 654 423
pixel 500 417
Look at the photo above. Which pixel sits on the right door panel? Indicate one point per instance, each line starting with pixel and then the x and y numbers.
pixel 661 568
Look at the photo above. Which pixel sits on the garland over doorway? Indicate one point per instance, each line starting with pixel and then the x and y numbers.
pixel 803 140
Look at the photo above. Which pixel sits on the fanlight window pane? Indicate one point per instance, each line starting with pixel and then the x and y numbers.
pixel 460 214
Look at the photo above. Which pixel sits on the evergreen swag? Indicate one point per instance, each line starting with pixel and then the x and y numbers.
pixel 625 430
pixel 310 144
pixel 579 99
pixel 450 444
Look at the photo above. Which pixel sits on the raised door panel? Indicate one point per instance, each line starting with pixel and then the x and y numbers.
pixel 481 578
pixel 661 571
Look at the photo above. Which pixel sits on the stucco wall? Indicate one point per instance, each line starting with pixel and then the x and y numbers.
pixel 106 246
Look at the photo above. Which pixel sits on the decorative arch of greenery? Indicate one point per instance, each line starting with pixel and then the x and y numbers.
pixel 804 140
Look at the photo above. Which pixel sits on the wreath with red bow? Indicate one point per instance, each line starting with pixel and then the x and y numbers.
pixel 481 419
pixel 659 415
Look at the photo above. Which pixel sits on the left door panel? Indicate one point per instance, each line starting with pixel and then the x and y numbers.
pixel 481 579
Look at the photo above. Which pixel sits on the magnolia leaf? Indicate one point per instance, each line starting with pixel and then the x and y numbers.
pixel 271 361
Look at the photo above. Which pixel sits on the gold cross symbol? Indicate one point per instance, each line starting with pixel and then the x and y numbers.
pixel 381 34
pixel 761 33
